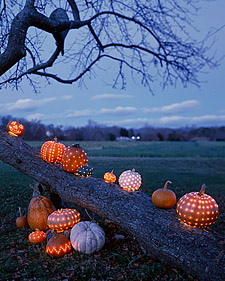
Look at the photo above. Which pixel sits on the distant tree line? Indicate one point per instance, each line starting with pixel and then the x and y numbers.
pixel 35 130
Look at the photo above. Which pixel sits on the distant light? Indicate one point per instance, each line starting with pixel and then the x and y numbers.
pixel 138 137
pixel 133 137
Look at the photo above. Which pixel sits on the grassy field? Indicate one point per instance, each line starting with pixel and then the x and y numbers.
pixel 187 164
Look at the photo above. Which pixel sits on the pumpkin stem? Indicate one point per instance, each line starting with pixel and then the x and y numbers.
pixel 112 171
pixel 20 212
pixel 35 190
pixel 133 170
pixel 166 184
pixel 55 139
pixel 202 191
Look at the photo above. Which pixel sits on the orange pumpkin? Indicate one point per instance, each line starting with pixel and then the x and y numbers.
pixel 15 128
pixel 58 246
pixel 163 197
pixel 37 237
pixel 198 209
pixel 63 219
pixel 21 221
pixel 52 151
pixel 39 209
pixel 73 158
pixel 109 177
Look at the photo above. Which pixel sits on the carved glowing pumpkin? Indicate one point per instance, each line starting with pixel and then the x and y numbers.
pixel 85 171
pixel 87 237
pixel 130 180
pixel 109 177
pixel 73 158
pixel 63 219
pixel 37 237
pixel 58 246
pixel 22 220
pixel 52 151
pixel 163 197
pixel 15 128
pixel 40 207
pixel 198 209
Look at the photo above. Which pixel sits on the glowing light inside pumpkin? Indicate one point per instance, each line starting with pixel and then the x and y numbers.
pixel 37 237
pixel 16 129
pixel 130 180
pixel 52 152
pixel 109 177
pixel 74 157
pixel 63 219
pixel 85 171
pixel 59 251
pixel 203 212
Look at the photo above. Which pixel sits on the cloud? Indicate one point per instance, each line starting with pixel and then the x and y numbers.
pixel 67 97
pixel 111 97
pixel 194 120
pixel 36 117
pixel 77 113
pixel 119 110
pixel 173 108
pixel 27 104
pixel 131 122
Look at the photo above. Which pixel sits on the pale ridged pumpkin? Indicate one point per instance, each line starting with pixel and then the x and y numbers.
pixel 39 209
pixel 130 180
pixel 73 158
pixel 87 237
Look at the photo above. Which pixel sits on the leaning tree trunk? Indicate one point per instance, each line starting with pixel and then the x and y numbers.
pixel 159 232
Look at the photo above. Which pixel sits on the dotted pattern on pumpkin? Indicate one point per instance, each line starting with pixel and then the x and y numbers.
pixel 130 180
pixel 73 158
pixel 196 210
pixel 63 219
pixel 52 151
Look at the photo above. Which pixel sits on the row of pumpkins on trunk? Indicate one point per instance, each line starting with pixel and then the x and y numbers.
pixel 62 228
pixel 196 208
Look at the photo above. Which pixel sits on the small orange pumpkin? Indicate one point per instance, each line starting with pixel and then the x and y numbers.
pixel 163 197
pixel 58 246
pixel 52 151
pixel 109 177
pixel 63 219
pixel 73 158
pixel 37 237
pixel 15 128
pixel 40 207
pixel 22 220
pixel 198 209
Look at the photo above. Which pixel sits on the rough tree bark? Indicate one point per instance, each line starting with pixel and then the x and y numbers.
pixel 159 232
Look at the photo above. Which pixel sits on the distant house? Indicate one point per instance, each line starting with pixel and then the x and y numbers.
pixel 133 138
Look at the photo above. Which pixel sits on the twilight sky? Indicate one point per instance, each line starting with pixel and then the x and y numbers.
pixel 135 107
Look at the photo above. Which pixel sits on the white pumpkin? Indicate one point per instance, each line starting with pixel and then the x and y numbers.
pixel 130 180
pixel 87 237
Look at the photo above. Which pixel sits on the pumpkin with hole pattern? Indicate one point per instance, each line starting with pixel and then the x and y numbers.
pixel 164 197
pixel 37 237
pixel 130 180
pixel 40 207
pixel 15 128
pixel 73 158
pixel 198 209
pixel 58 246
pixel 109 177
pixel 87 237
pixel 63 219
pixel 52 151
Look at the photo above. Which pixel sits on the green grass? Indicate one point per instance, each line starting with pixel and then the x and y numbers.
pixel 187 165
